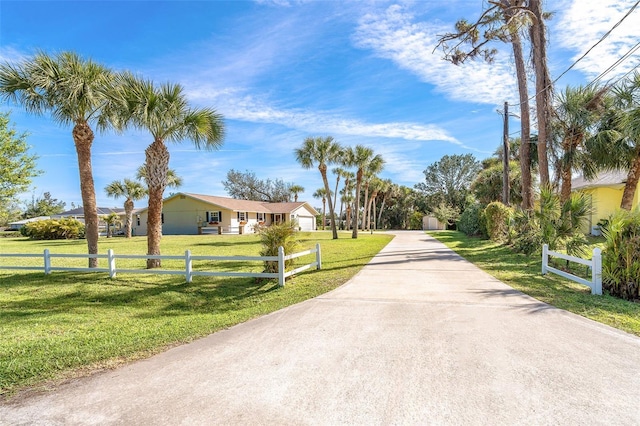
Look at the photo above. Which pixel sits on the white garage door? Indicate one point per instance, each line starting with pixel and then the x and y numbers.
pixel 306 223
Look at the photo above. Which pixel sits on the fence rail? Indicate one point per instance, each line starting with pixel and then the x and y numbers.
pixel 595 264
pixel 188 259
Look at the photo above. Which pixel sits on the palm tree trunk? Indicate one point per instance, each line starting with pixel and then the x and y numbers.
pixel 525 148
pixel 324 212
pixel 335 193
pixel 323 172
pixel 83 138
pixel 384 198
pixel 128 217
pixel 157 160
pixel 632 183
pixel 365 205
pixel 356 205
pixel 543 88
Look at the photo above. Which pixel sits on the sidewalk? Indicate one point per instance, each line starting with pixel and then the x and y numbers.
pixel 418 337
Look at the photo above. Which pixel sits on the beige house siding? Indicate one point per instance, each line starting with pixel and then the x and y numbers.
pixel 186 214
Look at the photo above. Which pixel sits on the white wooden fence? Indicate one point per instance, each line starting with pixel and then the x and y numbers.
pixel 188 258
pixel 595 264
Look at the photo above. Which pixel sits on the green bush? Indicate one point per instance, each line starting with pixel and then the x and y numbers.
pixel 472 221
pixel 525 235
pixel 497 217
pixel 620 264
pixel 281 234
pixel 54 229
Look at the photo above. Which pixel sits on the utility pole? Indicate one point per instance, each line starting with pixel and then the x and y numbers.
pixel 505 157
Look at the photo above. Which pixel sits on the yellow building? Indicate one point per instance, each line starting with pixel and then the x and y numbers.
pixel 605 192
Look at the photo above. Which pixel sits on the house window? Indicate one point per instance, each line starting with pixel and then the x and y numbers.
pixel 214 216
pixel 242 216
pixel 162 217
pixel 260 217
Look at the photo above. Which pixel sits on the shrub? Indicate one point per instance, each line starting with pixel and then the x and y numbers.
pixel 472 221
pixel 525 234
pixel 497 218
pixel 54 229
pixel 620 265
pixel 281 234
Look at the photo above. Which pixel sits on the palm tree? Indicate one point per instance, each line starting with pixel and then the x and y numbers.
pixel 295 190
pixel 131 191
pixel 577 111
pixel 626 147
pixel 385 188
pixel 165 113
pixel 376 186
pixel 73 90
pixel 321 151
pixel 321 194
pixel 362 158
pixel 112 219
pixel 346 193
pixel 338 172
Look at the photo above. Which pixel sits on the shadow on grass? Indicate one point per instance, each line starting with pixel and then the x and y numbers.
pixel 44 296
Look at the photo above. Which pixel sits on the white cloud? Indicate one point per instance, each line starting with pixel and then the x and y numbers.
pixel 582 23
pixel 394 35
pixel 251 109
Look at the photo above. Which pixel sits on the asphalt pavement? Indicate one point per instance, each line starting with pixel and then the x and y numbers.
pixel 419 337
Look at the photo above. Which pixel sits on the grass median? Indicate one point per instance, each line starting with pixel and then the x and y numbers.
pixel 69 324
pixel 524 273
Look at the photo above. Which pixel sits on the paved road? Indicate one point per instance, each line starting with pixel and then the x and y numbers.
pixel 419 336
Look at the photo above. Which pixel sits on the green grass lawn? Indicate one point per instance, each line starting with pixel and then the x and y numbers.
pixel 524 273
pixel 68 324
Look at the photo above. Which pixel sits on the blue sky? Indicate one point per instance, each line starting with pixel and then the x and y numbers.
pixel 279 71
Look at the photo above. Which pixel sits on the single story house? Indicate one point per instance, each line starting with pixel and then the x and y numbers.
pixel 192 214
pixel 605 191
pixel 15 226
pixel 77 213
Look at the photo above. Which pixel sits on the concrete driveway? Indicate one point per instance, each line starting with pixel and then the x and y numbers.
pixel 418 337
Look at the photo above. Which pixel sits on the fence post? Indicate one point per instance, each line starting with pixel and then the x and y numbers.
pixel 318 256
pixel 596 271
pixel 47 262
pixel 281 266
pixel 111 260
pixel 545 258
pixel 188 265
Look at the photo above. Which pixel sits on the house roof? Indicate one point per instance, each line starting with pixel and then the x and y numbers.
pixel 246 205
pixel 606 178
pixel 80 211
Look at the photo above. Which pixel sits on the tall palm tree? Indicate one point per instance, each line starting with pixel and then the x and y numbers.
pixel 362 158
pixel 386 188
pixel 296 190
pixel 165 113
pixel 626 152
pixel 321 194
pixel 73 90
pixel 577 111
pixel 375 185
pixel 321 151
pixel 338 173
pixel 131 191
pixel 346 193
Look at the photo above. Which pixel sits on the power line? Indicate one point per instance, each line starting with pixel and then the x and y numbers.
pixel 604 36
pixel 598 42
pixel 616 63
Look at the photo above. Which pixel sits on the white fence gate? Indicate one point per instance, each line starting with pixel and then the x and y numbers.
pixel 595 264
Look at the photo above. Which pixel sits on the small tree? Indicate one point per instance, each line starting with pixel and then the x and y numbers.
pixel 112 219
